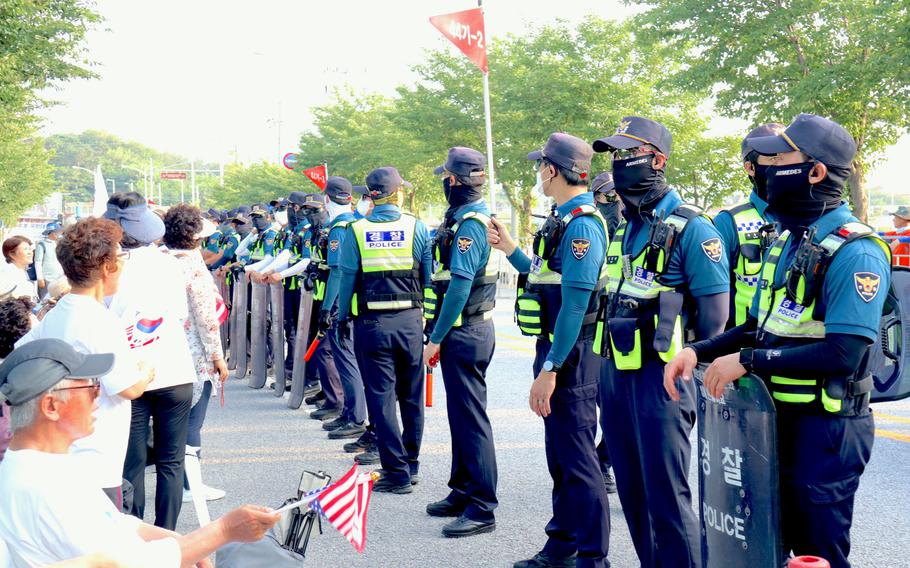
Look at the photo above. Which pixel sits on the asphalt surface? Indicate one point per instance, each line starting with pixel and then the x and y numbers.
pixel 255 448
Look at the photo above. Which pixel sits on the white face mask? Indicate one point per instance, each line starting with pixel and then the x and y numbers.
pixel 363 207
pixel 281 217
pixel 335 209
pixel 538 189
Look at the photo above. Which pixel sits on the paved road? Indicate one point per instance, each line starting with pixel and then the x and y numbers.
pixel 255 448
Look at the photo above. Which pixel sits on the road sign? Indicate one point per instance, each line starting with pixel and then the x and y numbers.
pixel 173 175
pixel 290 160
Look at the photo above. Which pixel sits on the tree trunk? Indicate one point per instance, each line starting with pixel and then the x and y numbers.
pixel 524 217
pixel 858 198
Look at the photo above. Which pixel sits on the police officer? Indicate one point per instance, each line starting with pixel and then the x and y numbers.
pixel 668 276
pixel 385 265
pixel 558 304
pixel 748 229
pixel 458 307
pixel 817 312
pixel 351 423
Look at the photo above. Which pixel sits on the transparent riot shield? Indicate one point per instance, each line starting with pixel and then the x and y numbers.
pixel 239 345
pixel 259 312
pixel 276 304
pixel 889 359
pixel 302 340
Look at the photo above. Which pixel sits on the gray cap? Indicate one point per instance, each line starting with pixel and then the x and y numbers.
pixel 137 221
pixel 903 212
pixel 39 365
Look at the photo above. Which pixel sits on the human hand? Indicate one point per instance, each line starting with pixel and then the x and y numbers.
pixel 723 371
pixel 220 367
pixel 205 563
pixel 248 523
pixel 541 391
pixel 275 277
pixel 499 238
pixel 325 321
pixel 681 365
pixel 429 352
pixel 42 283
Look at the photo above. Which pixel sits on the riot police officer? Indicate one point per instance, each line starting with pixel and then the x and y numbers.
pixel 385 265
pixel 816 314
pixel 748 229
pixel 557 302
pixel 351 423
pixel 458 307
pixel 668 276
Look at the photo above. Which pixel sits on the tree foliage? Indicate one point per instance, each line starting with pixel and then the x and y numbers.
pixel 844 59
pixel 258 183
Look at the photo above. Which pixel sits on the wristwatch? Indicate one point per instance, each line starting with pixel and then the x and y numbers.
pixel 746 356
pixel 551 367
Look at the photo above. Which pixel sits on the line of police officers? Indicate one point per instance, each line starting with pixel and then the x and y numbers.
pixel 627 287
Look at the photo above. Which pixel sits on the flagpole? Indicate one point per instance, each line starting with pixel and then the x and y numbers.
pixel 491 172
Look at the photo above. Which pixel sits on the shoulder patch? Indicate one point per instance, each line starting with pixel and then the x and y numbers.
pixel 333 245
pixel 580 248
pixel 713 249
pixel 465 244
pixel 867 285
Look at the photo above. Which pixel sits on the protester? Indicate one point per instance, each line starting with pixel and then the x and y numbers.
pixel 15 321
pixel 183 227
pixel 17 251
pixel 48 511
pixel 47 268
pixel 90 256
pixel 152 304
pixel 900 237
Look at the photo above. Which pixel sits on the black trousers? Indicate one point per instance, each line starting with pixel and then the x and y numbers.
pixel 581 512
pixel 465 354
pixel 291 309
pixel 169 409
pixel 390 356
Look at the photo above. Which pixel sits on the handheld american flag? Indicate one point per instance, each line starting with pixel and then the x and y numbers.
pixel 344 504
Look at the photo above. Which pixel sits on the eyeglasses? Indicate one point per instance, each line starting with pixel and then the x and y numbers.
pixel 634 153
pixel 123 255
pixel 95 386
pixel 604 197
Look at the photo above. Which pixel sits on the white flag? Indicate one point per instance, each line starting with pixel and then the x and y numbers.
pixel 100 203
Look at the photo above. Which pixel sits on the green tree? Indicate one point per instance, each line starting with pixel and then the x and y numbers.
pixel 258 183
pixel 844 59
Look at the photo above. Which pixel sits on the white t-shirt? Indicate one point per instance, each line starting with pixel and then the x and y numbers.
pixel 47 514
pixel 152 305
pixel 89 327
pixel 24 286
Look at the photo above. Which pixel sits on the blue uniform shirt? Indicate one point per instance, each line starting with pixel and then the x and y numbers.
pixel 470 253
pixel 302 229
pixel 849 307
pixel 691 266
pixel 349 263
pixel 726 226
pixel 268 241
pixel 336 238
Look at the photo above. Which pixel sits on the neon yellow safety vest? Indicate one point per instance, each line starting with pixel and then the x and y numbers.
pixel 786 322
pixel 482 297
pixel 389 278
pixel 746 267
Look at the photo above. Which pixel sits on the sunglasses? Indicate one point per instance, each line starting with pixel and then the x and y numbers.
pixel 95 386
pixel 634 153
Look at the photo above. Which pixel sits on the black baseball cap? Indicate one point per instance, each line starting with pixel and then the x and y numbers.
pixel 603 183
pixel 314 200
pixel 566 151
pixel 297 197
pixel 41 364
pixel 384 181
pixel 339 189
pixel 769 129
pixel 278 203
pixel 819 138
pixel 635 131
pixel 361 190
pixel 258 210
pixel 464 162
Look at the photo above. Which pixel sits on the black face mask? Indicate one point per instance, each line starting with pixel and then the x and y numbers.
pixel 261 223
pixel 459 195
pixel 638 184
pixel 794 201
pixel 293 220
pixel 243 229
pixel 316 216
pixel 609 210
pixel 760 180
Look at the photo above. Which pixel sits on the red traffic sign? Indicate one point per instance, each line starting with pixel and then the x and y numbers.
pixel 173 175
pixel 465 29
pixel 290 160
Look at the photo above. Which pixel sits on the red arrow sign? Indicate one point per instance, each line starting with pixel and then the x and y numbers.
pixel 465 30
pixel 317 175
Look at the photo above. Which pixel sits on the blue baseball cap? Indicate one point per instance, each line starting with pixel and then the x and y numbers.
pixel 566 151
pixel 258 210
pixel 297 197
pixel 384 181
pixel 339 190
pixel 314 200
pixel 635 131
pixel 137 221
pixel 52 227
pixel 819 138
pixel 465 162
pixel 603 183
pixel 770 129
pixel 361 190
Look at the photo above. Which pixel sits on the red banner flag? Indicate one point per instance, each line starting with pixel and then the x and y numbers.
pixel 465 30
pixel 317 175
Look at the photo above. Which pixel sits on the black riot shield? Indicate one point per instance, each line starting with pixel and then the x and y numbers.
pixel 239 345
pixel 889 359
pixel 302 340
pixel 276 305
pixel 738 476
pixel 259 312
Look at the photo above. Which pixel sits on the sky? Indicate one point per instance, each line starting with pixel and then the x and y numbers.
pixel 233 79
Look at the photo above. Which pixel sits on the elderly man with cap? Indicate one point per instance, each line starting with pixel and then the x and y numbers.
pixel 339 194
pixel 47 269
pixel 385 265
pixel 49 510
pixel 151 303
pixel 557 302
pixel 900 242
pixel 459 309
pixel 808 335
pixel 748 228
pixel 668 279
